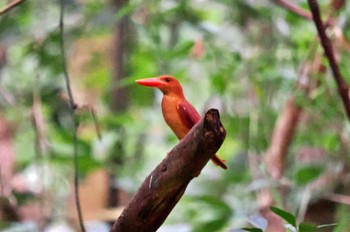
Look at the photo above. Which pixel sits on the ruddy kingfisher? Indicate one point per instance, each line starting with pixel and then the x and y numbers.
pixel 178 113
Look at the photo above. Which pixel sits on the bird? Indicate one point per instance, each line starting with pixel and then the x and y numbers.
pixel 178 113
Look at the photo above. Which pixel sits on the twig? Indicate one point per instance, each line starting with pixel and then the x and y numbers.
pixel 40 142
pixel 163 188
pixel 63 56
pixel 10 6
pixel 75 122
pixel 328 50
pixel 97 125
pixel 39 122
pixel 94 118
pixel 338 198
pixel 295 9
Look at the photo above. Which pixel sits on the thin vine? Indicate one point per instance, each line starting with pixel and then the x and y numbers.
pixel 75 121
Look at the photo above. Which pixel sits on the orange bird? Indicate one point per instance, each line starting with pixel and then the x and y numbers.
pixel 178 113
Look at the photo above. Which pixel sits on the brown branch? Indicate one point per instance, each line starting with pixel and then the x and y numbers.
pixel 294 9
pixel 328 50
pixel 338 198
pixel 163 188
pixel 10 6
pixel 288 120
pixel 281 138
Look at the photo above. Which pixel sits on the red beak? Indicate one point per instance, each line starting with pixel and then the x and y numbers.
pixel 151 82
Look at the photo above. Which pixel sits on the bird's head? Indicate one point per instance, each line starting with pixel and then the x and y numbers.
pixel 167 84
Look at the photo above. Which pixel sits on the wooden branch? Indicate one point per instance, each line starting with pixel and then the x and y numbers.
pixel 163 188
pixel 13 4
pixel 343 88
pixel 295 9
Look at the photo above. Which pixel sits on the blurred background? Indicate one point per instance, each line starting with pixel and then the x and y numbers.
pixel 258 62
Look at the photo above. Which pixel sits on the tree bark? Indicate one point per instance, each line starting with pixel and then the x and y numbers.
pixel 163 188
pixel 122 43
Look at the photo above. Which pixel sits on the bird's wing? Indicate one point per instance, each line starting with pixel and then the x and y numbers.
pixel 188 114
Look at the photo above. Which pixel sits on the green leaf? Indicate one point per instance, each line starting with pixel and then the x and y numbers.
pixel 306 174
pixel 307 227
pixel 253 229
pixel 285 215
pixel 180 50
pixel 125 10
pixel 213 216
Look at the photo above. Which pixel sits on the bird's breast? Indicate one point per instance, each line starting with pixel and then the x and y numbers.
pixel 172 116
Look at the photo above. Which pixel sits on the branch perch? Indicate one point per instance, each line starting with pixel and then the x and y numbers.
pixel 163 188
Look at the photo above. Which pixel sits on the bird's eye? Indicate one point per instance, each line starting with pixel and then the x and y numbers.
pixel 167 79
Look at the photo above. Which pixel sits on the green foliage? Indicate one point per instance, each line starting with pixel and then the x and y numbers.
pixel 342 217
pixel 305 175
pixel 208 213
pixel 291 220
pixel 47 52
pixel 285 215
pixel 306 227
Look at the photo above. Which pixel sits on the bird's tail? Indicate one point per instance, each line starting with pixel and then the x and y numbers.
pixel 218 162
